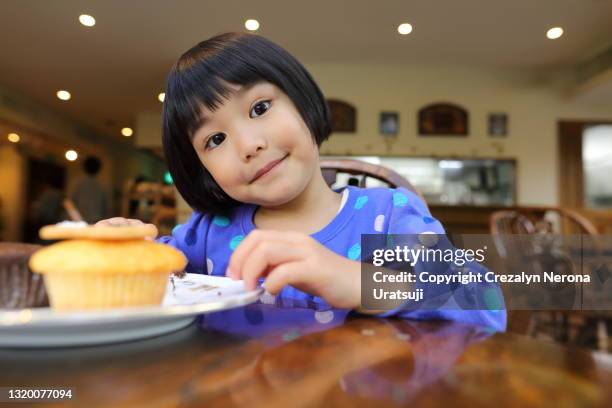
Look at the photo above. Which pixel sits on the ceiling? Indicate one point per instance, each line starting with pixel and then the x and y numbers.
pixel 116 69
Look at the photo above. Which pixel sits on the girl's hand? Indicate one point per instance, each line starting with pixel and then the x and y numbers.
pixel 296 259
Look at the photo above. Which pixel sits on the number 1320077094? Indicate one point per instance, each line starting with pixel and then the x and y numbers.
pixel 8 394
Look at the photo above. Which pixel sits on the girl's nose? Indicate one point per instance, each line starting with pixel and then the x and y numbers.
pixel 251 145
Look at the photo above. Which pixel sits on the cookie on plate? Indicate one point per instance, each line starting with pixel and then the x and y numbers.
pixel 82 230
pixel 98 274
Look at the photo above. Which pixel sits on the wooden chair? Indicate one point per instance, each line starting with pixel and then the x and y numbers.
pixel 331 169
pixel 541 220
pixel 563 326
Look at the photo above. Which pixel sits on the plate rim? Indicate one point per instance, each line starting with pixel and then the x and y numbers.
pixel 43 317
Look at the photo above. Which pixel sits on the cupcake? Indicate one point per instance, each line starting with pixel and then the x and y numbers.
pixel 19 287
pixel 105 273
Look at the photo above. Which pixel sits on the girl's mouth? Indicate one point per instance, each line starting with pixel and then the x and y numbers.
pixel 268 168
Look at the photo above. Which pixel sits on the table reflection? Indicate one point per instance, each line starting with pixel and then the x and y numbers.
pixel 305 354
pixel 362 357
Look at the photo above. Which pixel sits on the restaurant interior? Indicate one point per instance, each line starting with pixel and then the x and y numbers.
pixel 497 114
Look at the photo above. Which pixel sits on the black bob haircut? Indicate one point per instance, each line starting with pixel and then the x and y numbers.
pixel 199 79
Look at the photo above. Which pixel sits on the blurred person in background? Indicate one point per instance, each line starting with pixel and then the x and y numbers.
pixel 89 196
pixel 46 209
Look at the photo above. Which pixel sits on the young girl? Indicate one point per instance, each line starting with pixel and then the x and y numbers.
pixel 242 124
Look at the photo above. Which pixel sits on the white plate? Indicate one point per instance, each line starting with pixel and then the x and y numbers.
pixel 193 295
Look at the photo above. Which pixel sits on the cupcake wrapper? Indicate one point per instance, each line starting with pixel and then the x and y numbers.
pixel 74 292
pixel 20 288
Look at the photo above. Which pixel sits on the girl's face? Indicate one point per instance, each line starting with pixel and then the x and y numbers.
pixel 257 147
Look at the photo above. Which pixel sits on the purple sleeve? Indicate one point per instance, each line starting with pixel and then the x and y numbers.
pixel 190 239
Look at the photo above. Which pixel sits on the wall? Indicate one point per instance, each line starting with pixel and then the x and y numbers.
pixel 534 101
pixel 11 194
pixel 51 133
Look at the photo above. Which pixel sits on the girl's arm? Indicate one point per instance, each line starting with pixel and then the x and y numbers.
pixel 190 239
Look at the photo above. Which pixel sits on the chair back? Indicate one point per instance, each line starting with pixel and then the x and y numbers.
pixel 532 220
pixel 331 169
pixel 547 248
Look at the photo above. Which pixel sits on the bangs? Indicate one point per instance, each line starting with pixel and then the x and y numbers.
pixel 202 78
pixel 207 89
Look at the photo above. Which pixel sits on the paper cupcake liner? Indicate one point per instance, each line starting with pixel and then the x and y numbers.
pixel 77 292
pixel 20 288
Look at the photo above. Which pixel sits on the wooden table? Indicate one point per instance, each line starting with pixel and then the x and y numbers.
pixel 293 356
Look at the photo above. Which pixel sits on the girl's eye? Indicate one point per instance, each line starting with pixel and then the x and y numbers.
pixel 260 108
pixel 215 140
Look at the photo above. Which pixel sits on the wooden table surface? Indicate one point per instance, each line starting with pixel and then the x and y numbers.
pixel 294 356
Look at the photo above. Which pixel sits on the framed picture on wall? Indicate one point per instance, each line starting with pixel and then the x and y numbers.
pixel 498 124
pixel 443 119
pixel 388 123
pixel 343 116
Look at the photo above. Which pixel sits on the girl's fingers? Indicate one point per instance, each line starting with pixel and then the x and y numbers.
pixel 236 263
pixel 283 275
pixel 266 256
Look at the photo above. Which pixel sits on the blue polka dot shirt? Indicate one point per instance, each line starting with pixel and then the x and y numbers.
pixel 208 241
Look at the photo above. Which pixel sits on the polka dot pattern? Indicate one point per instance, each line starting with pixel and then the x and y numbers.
pixel 324 317
pixel 361 201
pixel 400 199
pixel 191 237
pixel 236 241
pixel 492 300
pixel 379 223
pixel 253 315
pixel 377 211
pixel 354 252
pixel 221 221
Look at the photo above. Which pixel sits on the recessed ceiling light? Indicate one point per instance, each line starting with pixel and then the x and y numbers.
pixel 554 33
pixel 251 25
pixel 87 20
pixel 161 97
pixel 127 132
pixel 404 28
pixel 63 95
pixel 13 138
pixel 71 155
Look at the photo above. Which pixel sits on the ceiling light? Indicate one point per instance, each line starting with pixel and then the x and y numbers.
pixel 161 97
pixel 87 20
pixel 127 132
pixel 71 155
pixel 13 138
pixel 554 33
pixel 63 95
pixel 404 28
pixel 251 25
